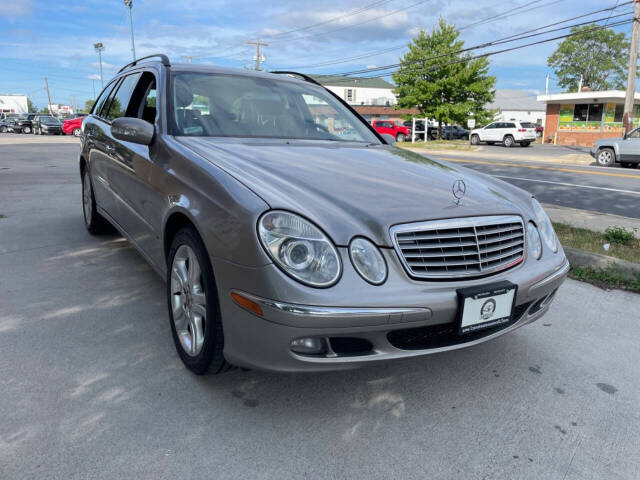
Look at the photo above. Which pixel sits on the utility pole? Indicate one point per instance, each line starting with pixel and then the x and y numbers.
pixel 129 4
pixel 258 57
pixel 191 58
pixel 627 117
pixel 93 82
pixel 99 47
pixel 580 83
pixel 46 84
pixel 546 85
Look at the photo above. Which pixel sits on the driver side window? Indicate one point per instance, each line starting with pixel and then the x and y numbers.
pixel 634 134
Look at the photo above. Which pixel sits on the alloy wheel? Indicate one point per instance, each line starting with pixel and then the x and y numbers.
pixel 188 300
pixel 605 157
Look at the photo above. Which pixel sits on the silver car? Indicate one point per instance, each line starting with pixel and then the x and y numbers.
pixel 292 236
pixel 626 150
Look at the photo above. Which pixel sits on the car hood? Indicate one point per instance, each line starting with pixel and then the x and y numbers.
pixel 357 190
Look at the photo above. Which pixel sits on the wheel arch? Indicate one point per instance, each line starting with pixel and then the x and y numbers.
pixel 176 219
pixel 613 148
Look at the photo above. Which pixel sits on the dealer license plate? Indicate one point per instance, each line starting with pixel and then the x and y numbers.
pixel 486 306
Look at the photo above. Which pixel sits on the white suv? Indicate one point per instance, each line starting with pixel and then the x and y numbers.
pixel 508 133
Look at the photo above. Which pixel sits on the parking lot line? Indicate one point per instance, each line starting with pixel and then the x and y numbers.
pixel 539 167
pixel 568 184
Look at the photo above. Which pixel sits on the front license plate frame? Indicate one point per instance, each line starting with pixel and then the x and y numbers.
pixel 472 300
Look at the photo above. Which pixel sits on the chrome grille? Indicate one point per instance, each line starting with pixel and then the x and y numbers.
pixel 460 247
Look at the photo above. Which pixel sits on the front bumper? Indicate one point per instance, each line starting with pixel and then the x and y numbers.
pixel 403 318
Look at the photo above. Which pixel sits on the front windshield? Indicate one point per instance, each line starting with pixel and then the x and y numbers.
pixel 216 105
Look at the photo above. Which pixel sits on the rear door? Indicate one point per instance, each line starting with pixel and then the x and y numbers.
pixel 96 136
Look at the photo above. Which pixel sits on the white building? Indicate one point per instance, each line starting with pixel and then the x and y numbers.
pixel 13 104
pixel 518 105
pixel 359 91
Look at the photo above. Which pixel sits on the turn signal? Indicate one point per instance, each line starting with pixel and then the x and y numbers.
pixel 247 304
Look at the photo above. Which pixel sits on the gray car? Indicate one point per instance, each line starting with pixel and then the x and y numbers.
pixel 626 150
pixel 292 236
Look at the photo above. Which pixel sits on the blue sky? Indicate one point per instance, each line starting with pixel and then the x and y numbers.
pixel 55 38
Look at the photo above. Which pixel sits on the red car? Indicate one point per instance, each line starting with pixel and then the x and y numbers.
pixel 399 132
pixel 73 126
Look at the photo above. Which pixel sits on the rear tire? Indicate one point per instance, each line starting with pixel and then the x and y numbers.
pixel 400 137
pixel 77 132
pixel 606 157
pixel 475 140
pixel 26 130
pixel 508 141
pixel 194 308
pixel 95 223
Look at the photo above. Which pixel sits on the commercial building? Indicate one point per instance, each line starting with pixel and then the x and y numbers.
pixel 10 103
pixel 517 105
pixel 580 118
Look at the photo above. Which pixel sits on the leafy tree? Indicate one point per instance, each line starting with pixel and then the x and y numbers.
pixel 600 56
pixel 88 105
pixel 449 92
pixel 31 107
pixel 44 109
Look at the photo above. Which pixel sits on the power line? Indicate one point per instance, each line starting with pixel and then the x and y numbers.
pixel 398 47
pixel 496 52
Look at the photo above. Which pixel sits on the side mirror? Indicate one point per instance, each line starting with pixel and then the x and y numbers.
pixel 388 138
pixel 133 130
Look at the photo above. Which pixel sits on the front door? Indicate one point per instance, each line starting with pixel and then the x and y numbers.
pixel 630 147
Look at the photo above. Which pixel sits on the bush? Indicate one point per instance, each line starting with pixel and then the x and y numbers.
pixel 618 234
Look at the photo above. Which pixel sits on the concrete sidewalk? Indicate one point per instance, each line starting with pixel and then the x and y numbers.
pixel 595 221
pixel 537 153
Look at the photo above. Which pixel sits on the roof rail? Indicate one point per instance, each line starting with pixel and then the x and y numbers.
pixel 163 58
pixel 301 75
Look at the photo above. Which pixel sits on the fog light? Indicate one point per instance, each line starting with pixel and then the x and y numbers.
pixel 309 346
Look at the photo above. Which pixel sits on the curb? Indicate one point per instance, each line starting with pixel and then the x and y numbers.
pixel 581 258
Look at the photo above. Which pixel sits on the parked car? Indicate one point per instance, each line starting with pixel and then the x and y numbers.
pixel 454 132
pixel 399 132
pixel 5 126
pixel 626 150
pixel 507 133
pixel 73 126
pixel 46 124
pixel 24 123
pixel 288 247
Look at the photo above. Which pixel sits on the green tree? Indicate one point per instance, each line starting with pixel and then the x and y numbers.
pixel 449 92
pixel 31 107
pixel 600 56
pixel 44 109
pixel 88 105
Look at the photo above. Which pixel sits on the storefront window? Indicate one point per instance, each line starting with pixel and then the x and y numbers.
pixel 617 117
pixel 595 112
pixel 580 112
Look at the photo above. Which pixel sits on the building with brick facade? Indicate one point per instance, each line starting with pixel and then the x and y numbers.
pixel 580 118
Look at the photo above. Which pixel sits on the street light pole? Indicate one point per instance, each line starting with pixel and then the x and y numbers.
pixel 129 4
pixel 99 47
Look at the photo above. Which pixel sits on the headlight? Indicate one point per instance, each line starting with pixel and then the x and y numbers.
pixel 544 224
pixel 299 248
pixel 368 260
pixel 535 244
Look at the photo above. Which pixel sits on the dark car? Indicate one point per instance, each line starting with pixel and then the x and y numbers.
pixel 5 126
pixel 454 132
pixel 24 123
pixel 46 125
pixel 294 237
pixel 419 132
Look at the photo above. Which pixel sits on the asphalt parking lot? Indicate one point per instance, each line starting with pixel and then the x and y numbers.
pixel 91 385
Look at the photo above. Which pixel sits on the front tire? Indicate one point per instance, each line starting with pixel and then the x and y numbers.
pixel 508 141
pixel 606 157
pixel 26 130
pixel 400 137
pixel 194 308
pixel 475 140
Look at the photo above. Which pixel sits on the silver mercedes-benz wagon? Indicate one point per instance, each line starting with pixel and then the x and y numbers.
pixel 292 236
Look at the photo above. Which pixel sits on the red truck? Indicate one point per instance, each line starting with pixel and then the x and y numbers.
pixel 399 132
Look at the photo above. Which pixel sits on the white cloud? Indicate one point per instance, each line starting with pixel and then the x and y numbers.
pixel 11 9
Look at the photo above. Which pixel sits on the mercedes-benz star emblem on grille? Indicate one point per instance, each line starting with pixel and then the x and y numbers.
pixel 459 189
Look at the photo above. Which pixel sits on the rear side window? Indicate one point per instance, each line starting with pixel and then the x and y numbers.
pixel 97 106
pixel 120 101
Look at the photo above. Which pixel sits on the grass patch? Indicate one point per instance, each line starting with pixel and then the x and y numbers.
pixel 440 145
pixel 610 278
pixel 591 241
